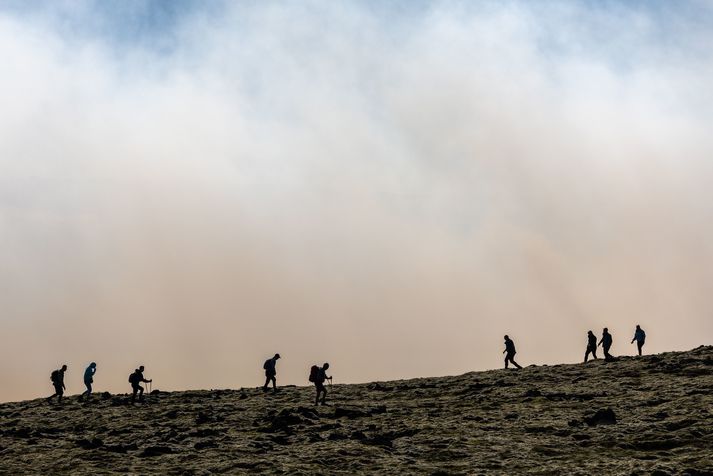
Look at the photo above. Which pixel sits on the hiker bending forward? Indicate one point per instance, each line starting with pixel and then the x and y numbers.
pixel 57 378
pixel 319 376
pixel 270 373
pixel 135 379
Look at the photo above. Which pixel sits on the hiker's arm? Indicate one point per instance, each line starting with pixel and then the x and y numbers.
pixel 600 342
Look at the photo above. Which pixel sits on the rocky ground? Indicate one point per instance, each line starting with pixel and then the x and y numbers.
pixel 649 415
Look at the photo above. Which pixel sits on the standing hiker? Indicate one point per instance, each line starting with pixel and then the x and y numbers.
pixel 270 373
pixel 591 346
pixel 639 337
pixel 57 379
pixel 510 353
pixel 136 379
pixel 606 342
pixel 88 380
pixel 318 375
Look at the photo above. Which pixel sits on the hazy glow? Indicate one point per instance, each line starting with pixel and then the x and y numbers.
pixel 387 189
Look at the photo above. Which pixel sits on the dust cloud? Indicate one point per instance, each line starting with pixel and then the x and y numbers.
pixel 384 188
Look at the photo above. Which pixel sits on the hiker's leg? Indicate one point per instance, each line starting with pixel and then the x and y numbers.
pixel 274 383
pixel 316 400
pixel 594 353
pixel 324 394
pixel 134 390
pixel 639 345
pixel 507 357
pixel 267 382
pixel 141 393
pixel 586 356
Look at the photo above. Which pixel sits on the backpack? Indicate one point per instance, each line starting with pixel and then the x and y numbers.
pixel 266 365
pixel 54 376
pixel 314 374
pixel 133 378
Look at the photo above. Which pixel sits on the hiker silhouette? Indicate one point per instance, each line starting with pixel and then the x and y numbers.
pixel 135 379
pixel 270 373
pixel 510 352
pixel 57 379
pixel 639 337
pixel 591 346
pixel 606 343
pixel 318 375
pixel 88 380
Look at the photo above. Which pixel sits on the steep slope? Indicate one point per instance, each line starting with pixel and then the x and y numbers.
pixel 649 415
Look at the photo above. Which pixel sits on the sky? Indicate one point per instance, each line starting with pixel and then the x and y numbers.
pixel 387 186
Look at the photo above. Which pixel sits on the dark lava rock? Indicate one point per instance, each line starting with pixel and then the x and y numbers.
pixel 151 451
pixel 314 438
pixel 533 392
pixel 202 418
pixel 340 412
pixel 308 413
pixel 379 388
pixel 116 448
pixel 90 444
pixel 357 435
pixel 335 436
pixel 280 440
pixel 201 445
pixel 604 416
pixel 384 440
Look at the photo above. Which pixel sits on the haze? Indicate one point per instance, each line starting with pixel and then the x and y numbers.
pixel 390 187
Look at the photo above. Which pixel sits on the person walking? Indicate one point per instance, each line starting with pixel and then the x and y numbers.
pixel 510 353
pixel 318 375
pixel 57 379
pixel 135 379
pixel 606 343
pixel 639 337
pixel 270 373
pixel 591 346
pixel 88 380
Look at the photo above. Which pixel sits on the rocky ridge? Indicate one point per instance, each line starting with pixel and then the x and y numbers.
pixel 648 415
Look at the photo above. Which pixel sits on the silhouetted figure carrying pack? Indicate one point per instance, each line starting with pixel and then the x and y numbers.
pixel 135 379
pixel 318 376
pixel 639 337
pixel 57 379
pixel 510 353
pixel 88 380
pixel 606 343
pixel 591 346
pixel 270 373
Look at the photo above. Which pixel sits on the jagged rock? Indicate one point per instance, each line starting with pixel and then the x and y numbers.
pixel 90 444
pixel 201 445
pixel 151 451
pixel 604 416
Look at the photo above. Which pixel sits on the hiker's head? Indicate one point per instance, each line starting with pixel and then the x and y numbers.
pixel 637 327
pixel 93 364
pixel 606 329
pixel 325 366
pixel 506 337
pixel 64 367
pixel 590 333
pixel 277 356
pixel 141 368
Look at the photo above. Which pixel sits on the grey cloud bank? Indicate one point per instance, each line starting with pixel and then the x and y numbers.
pixel 322 181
